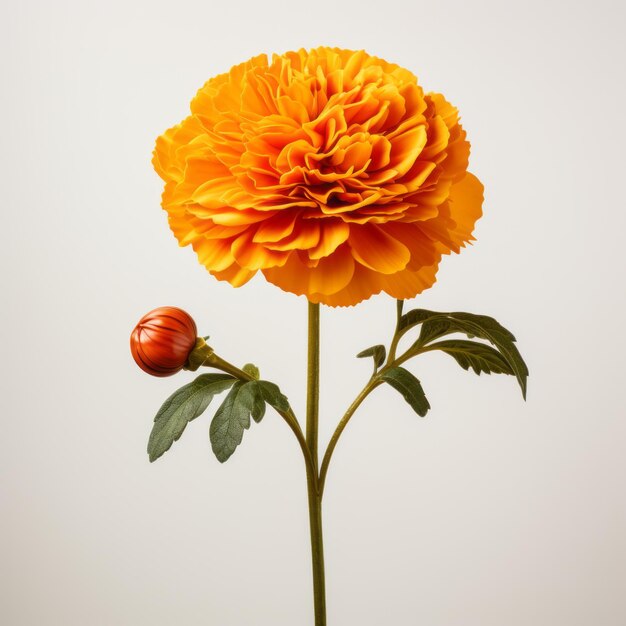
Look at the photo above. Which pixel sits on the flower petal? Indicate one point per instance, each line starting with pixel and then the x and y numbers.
pixel 364 284
pixel 407 284
pixel 214 254
pixel 235 275
pixel 466 199
pixel 331 274
pixel 333 234
pixel 374 248
pixel 255 256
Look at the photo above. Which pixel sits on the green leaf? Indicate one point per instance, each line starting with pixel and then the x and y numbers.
pixel 486 322
pixel 378 353
pixel 436 325
pixel 472 325
pixel 410 387
pixel 478 356
pixel 230 420
pixel 233 417
pixel 181 407
pixel 256 400
pixel 252 370
pixel 484 327
pixel 413 318
pixel 434 328
pixel 273 396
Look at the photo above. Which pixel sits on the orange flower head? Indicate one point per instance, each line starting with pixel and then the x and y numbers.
pixel 162 340
pixel 328 170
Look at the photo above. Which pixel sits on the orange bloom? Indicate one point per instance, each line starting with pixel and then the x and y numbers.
pixel 328 170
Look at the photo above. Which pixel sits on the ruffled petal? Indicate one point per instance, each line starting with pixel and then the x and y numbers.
pixel 330 275
pixel 364 284
pixel 236 275
pixel 374 248
pixel 256 256
pixel 407 284
pixel 466 200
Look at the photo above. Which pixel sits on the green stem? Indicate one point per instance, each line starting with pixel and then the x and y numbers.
pixel 313 379
pixel 371 385
pixel 220 364
pixel 314 493
pixel 396 335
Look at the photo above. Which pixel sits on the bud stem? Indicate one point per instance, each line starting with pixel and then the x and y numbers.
pixel 219 363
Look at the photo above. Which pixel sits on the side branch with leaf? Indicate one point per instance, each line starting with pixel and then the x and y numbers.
pixel 248 396
pixel 502 357
pixel 487 348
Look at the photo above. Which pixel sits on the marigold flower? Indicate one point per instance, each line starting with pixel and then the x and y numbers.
pixel 162 340
pixel 328 170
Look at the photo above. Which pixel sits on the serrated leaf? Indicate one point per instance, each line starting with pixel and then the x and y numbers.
pixel 410 387
pixel 436 325
pixel 414 318
pixel 478 356
pixel 233 416
pixel 273 396
pixel 256 400
pixel 378 353
pixel 434 328
pixel 482 326
pixel 486 322
pixel 485 327
pixel 230 420
pixel 183 406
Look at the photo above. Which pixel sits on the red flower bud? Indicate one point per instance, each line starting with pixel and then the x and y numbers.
pixel 162 340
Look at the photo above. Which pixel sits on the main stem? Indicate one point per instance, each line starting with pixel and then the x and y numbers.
pixel 315 496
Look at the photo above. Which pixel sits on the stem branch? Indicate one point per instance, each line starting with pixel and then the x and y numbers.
pixel 371 385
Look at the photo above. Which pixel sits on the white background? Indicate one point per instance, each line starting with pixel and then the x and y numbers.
pixel 488 512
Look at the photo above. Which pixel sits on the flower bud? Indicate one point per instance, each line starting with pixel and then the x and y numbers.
pixel 162 340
